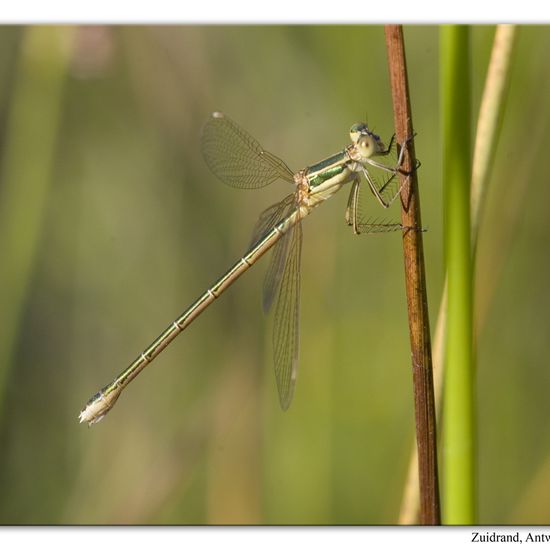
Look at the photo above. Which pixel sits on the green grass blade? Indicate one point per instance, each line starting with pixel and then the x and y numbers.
pixel 459 479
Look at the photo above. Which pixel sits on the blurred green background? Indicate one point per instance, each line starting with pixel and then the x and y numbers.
pixel 111 224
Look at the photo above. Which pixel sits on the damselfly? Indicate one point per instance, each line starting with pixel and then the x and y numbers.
pixel 240 161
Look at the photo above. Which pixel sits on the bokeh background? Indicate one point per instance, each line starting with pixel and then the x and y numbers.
pixel 111 224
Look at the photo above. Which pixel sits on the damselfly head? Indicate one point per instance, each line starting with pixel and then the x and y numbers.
pixel 366 142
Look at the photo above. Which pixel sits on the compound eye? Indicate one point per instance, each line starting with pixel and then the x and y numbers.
pixel 366 146
pixel 366 143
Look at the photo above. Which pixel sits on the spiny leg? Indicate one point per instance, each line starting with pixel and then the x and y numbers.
pixel 371 226
pixel 379 227
pixel 392 170
pixel 378 193
pixel 401 156
pixel 388 149
pixel 375 226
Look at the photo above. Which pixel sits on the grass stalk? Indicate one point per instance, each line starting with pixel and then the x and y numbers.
pixel 415 284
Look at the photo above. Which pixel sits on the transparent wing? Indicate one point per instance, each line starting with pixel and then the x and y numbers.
pixel 237 158
pixel 274 275
pixel 272 216
pixel 269 219
pixel 286 330
pixel 282 280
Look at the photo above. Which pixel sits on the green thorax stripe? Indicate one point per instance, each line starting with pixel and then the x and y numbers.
pixel 326 169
